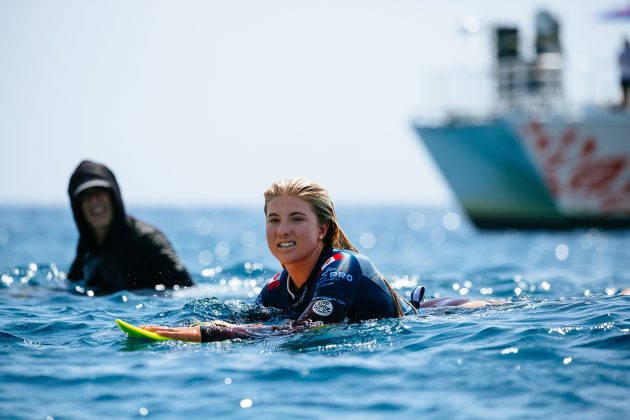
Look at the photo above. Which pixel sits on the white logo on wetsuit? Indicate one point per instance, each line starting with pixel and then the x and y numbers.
pixel 341 275
pixel 323 307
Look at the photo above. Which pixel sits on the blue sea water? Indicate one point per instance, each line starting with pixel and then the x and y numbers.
pixel 558 348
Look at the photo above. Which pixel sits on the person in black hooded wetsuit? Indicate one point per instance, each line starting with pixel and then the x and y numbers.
pixel 116 251
pixel 324 278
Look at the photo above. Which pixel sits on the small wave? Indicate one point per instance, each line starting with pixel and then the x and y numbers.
pixel 342 338
pixel 207 309
pixel 9 338
pixel 616 342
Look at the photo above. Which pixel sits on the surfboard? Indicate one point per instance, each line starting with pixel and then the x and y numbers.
pixel 136 332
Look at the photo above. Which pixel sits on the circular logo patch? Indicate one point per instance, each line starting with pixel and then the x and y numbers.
pixel 323 307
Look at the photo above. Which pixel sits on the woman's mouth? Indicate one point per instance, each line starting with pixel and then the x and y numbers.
pixel 286 244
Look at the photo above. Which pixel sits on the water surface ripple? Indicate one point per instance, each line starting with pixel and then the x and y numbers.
pixel 558 347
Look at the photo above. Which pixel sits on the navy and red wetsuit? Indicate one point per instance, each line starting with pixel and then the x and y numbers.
pixel 343 285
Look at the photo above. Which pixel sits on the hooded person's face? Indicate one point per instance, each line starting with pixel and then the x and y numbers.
pixel 96 204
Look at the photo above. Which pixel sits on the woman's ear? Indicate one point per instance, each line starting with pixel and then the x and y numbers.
pixel 323 230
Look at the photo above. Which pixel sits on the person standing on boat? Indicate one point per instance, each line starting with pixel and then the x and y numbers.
pixel 624 67
pixel 116 251
pixel 324 278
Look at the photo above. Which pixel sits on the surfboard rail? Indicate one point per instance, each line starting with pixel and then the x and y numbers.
pixel 137 332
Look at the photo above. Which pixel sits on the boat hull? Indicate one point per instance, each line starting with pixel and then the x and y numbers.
pixel 523 173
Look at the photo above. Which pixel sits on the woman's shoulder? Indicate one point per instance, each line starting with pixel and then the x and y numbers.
pixel 274 282
pixel 336 254
pixel 354 254
pixel 353 259
pixel 271 290
pixel 345 253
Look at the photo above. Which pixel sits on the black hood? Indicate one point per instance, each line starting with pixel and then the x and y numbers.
pixel 91 174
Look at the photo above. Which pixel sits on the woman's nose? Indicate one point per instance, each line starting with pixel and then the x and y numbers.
pixel 284 229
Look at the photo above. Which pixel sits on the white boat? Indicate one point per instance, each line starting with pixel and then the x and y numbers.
pixel 532 165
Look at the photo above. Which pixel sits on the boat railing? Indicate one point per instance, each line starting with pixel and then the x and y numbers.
pixel 535 87
pixel 543 88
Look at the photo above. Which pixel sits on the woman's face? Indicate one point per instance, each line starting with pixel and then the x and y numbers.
pixel 294 235
pixel 96 204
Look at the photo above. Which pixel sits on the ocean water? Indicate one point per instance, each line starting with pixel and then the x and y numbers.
pixel 558 348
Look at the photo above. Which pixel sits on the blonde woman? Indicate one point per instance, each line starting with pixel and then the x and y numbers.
pixel 324 278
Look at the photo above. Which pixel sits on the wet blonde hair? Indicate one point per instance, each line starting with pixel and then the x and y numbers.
pixel 321 204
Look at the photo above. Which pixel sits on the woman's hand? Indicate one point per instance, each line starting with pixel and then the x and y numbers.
pixel 178 333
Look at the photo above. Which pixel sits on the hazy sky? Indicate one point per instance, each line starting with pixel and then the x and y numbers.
pixel 208 102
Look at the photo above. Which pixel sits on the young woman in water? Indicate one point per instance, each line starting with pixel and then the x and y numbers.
pixel 324 278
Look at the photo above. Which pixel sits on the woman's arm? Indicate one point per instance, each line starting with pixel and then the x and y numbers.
pixel 178 333
pixel 212 331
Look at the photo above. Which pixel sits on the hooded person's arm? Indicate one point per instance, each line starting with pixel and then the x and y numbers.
pixel 164 265
pixel 76 268
pixel 75 273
